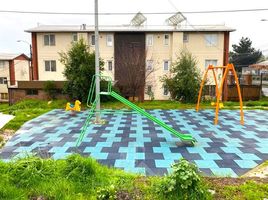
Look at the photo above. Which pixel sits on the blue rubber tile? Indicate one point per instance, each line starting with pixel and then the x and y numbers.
pixel 248 156
pixel 246 163
pixel 223 172
pixel 134 143
pixel 163 163
pixel 206 164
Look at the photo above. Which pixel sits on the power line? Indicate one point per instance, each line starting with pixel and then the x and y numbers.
pixel 131 13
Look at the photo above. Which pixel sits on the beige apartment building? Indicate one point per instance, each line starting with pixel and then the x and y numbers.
pixel 13 68
pixel 154 49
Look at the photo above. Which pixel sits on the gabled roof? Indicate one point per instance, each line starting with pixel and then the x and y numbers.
pixel 127 28
pixel 9 56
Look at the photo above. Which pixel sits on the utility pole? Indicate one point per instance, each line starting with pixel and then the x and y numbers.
pixel 97 63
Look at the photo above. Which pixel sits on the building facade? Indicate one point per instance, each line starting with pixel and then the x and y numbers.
pixel 13 68
pixel 149 51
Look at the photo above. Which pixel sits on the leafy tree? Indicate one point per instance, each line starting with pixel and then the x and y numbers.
pixel 244 54
pixel 50 89
pixel 79 69
pixel 184 80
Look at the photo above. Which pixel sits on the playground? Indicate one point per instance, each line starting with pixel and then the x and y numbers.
pixel 134 143
pixel 148 141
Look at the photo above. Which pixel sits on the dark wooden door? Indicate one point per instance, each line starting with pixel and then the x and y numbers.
pixel 130 64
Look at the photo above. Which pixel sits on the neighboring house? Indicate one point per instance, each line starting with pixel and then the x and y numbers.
pixel 153 48
pixel 13 68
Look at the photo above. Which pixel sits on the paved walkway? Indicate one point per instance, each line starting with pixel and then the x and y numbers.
pixel 5 119
pixel 133 143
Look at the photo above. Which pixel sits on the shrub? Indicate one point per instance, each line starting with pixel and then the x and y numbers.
pixel 106 193
pixel 184 81
pixel 183 183
pixel 50 89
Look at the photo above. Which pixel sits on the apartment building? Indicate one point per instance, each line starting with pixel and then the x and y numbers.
pixel 13 68
pixel 150 51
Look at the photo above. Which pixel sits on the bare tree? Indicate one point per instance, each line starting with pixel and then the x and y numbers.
pixel 134 75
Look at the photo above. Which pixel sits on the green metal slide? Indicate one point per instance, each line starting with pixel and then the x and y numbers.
pixel 184 137
pixel 92 104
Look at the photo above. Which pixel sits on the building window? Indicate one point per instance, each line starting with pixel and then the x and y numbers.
pixel 211 39
pixel 109 40
pixel 149 65
pixel 149 89
pixel 165 90
pixel 213 62
pixel 49 40
pixel 4 96
pixel 31 92
pixel 74 37
pixel 185 37
pixel 166 39
pixel 166 65
pixel 50 65
pixel 110 65
pixel 92 40
pixel 2 64
pixel 3 80
pixel 149 40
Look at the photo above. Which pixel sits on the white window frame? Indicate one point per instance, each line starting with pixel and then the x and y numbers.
pixel 3 80
pixel 49 41
pixel 211 39
pixel 150 40
pixel 165 90
pixel 74 37
pixel 166 40
pixel 92 39
pixel 50 65
pixel 185 37
pixel 168 65
pixel 149 65
pixel 208 62
pixel 109 40
pixel 108 65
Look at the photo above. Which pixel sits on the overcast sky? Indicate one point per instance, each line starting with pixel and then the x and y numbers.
pixel 247 24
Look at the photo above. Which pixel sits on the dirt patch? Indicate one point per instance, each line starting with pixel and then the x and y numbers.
pixel 221 182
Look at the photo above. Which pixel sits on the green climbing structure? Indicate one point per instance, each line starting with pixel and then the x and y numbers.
pixel 92 103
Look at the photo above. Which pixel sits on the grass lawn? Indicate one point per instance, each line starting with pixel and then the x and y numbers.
pixel 83 178
pixel 26 110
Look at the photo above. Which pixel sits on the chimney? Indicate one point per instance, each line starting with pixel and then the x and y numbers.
pixel 83 27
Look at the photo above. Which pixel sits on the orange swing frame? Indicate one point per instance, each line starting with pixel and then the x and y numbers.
pixel 229 67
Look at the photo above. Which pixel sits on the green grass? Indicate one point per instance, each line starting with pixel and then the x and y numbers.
pixel 82 178
pixel 26 110
pixel 75 178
